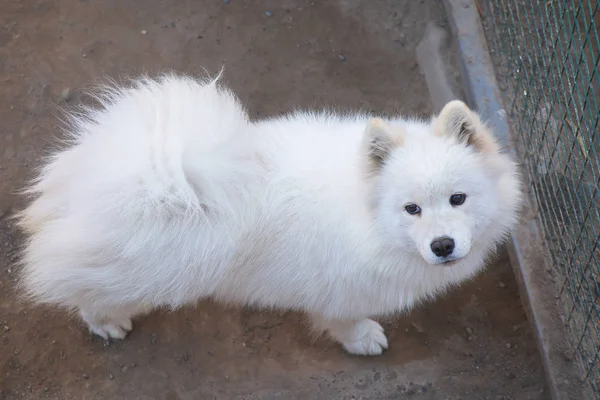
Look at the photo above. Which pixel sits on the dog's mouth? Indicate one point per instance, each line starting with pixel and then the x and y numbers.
pixel 449 263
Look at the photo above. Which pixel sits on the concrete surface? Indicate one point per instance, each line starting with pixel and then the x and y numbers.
pixel 472 344
pixel 526 248
pixel 437 56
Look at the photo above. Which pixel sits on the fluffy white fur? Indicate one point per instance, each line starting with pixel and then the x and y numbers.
pixel 168 194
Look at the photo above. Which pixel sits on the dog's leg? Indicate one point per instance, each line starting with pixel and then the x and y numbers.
pixel 361 337
pixel 114 323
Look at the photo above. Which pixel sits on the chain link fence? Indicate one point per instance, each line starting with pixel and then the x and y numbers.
pixel 547 60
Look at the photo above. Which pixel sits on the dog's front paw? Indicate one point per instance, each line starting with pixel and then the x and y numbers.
pixel 370 339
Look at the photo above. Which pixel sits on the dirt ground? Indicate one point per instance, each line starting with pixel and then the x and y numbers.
pixel 474 343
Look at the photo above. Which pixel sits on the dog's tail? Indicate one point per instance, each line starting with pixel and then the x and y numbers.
pixel 167 144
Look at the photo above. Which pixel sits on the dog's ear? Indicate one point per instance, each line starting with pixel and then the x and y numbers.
pixel 457 120
pixel 379 141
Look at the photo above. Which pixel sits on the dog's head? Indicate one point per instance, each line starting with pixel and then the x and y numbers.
pixel 441 189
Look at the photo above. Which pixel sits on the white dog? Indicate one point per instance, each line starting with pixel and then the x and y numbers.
pixel 168 194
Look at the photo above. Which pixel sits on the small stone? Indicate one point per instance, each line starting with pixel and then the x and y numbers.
pixel 6 328
pixel 342 57
pixel 83 55
pixel 225 1
pixel 501 285
pixel 508 345
pixel 418 327
pixel 86 376
pixel 268 13
pixel 143 32
pixel 516 328
pixel 66 94
pixel 111 377
pixel 469 330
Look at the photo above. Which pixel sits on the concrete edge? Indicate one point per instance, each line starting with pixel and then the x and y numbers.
pixel 532 270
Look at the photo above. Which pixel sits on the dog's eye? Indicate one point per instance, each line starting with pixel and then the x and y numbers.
pixel 412 209
pixel 457 199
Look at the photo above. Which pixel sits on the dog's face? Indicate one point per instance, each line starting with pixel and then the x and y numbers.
pixel 441 189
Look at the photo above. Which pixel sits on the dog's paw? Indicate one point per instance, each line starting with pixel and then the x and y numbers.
pixel 114 330
pixel 108 328
pixel 371 340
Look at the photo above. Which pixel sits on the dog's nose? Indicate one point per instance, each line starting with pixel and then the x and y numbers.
pixel 442 246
